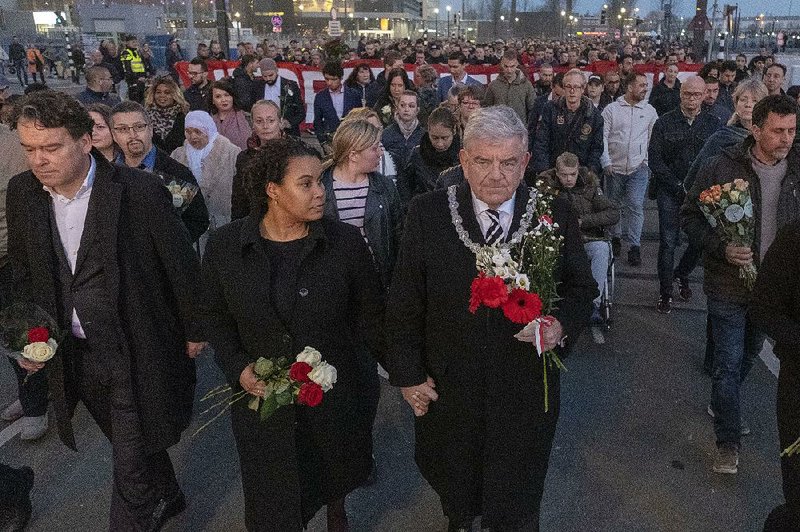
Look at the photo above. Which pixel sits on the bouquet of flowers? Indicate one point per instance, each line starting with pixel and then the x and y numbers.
pixel 729 210
pixel 182 191
pixel 518 278
pixel 302 382
pixel 27 331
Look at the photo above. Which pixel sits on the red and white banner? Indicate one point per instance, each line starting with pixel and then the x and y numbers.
pixel 311 81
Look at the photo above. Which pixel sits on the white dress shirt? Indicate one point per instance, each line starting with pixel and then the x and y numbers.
pixel 626 135
pixel 273 92
pixel 506 211
pixel 70 215
pixel 337 98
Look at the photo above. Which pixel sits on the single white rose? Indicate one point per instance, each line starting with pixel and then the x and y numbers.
pixel 323 374
pixel 289 92
pixel 310 356
pixel 40 351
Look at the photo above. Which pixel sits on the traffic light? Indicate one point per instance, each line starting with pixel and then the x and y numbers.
pixel 421 14
pixel 603 17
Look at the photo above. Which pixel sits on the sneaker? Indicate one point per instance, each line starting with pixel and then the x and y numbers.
pixel 635 256
pixel 684 290
pixel 616 246
pixel 664 305
pixel 727 459
pixel 744 428
pixel 34 429
pixel 12 412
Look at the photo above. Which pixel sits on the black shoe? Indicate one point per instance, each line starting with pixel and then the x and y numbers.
pixel 634 256
pixel 167 509
pixel 14 515
pixel 616 246
pixel 684 290
pixel 664 304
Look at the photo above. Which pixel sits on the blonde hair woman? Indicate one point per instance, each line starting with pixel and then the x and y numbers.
pixel 387 166
pixel 166 107
pixel 357 194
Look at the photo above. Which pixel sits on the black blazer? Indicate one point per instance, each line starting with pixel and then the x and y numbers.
pixel 152 274
pixel 292 108
pixel 195 216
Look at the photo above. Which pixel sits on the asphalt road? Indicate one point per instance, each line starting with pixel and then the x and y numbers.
pixel 633 451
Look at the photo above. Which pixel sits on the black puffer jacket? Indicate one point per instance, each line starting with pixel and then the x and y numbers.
pixel 424 166
pixel 721 279
pixel 595 211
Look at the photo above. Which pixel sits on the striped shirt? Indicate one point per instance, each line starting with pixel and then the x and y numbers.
pixel 351 201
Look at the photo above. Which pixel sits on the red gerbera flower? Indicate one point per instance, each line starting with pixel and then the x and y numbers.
pixel 522 306
pixel 38 334
pixel 489 291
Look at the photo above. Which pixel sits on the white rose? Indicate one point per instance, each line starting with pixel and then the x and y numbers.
pixel 323 374
pixel 40 351
pixel 522 281
pixel 310 356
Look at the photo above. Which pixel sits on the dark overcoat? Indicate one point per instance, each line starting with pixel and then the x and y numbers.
pixel 301 457
pixel 153 281
pixel 484 445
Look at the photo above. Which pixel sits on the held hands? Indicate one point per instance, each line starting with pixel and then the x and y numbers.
pixel 193 349
pixel 738 256
pixel 552 334
pixel 420 396
pixel 250 382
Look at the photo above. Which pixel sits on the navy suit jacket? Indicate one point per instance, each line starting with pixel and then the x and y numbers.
pixel 446 82
pixel 325 119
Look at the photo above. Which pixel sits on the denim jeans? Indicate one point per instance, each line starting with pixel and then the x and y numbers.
pixel 599 257
pixel 628 192
pixel 737 342
pixel 669 231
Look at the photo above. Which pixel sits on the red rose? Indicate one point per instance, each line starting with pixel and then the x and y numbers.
pixel 522 306
pixel 546 219
pixel 299 372
pixel 489 291
pixel 310 394
pixel 38 334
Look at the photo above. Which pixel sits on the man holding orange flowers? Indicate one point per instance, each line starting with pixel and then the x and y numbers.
pixel 771 167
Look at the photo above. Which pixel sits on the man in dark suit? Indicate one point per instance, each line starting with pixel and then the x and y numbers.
pixel 133 133
pixel 284 92
pixel 483 438
pixel 101 249
pixel 333 103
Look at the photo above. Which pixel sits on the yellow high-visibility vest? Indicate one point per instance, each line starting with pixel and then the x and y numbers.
pixel 132 56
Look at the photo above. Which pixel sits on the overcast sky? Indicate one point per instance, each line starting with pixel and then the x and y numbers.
pixel 686 7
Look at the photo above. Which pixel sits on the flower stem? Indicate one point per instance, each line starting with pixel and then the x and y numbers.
pixel 229 405
pixel 546 392
pixel 792 449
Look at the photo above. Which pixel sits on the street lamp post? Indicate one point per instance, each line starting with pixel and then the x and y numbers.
pixel 449 9
pixel 238 26
pixel 436 11
pixel 563 22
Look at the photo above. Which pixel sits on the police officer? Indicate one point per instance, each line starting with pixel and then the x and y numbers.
pixel 134 67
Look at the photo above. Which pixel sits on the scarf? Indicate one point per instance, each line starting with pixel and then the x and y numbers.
pixel 202 121
pixel 439 160
pixel 163 119
pixel 407 129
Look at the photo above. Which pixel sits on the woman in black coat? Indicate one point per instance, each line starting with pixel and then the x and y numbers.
pixel 437 151
pixel 776 311
pixel 276 281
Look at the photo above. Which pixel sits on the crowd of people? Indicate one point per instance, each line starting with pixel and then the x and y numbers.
pixel 351 248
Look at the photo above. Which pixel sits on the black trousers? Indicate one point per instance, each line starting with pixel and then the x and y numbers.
pixel 140 480
pixel 33 393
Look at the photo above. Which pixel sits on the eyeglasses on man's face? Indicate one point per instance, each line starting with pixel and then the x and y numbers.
pixel 127 130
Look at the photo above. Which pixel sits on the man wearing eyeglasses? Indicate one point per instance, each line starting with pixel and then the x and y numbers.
pixel 677 138
pixel 571 123
pixel 98 87
pixel 483 438
pixel 133 133
pixel 197 94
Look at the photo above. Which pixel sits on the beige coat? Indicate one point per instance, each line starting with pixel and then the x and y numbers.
pixel 216 183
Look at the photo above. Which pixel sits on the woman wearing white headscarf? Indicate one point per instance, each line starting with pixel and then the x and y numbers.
pixel 212 159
